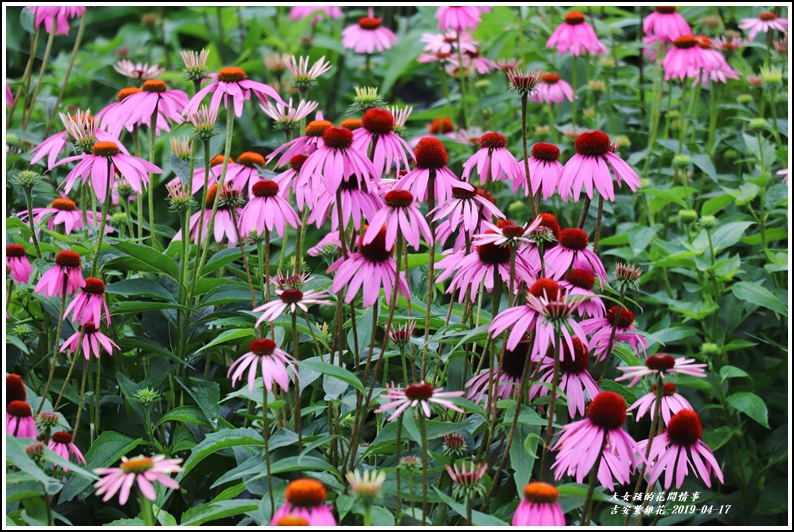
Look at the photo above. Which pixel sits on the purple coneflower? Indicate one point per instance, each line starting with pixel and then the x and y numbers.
pixel 267 210
pixel 401 213
pixel 576 35
pixel 224 222
pixel 465 209
pixel 305 505
pixel 15 389
pixel 56 15
pixel 92 340
pixel 76 127
pixel 590 168
pixel 417 395
pixel 552 89
pixel 580 283
pixel 447 43
pixel 62 211
pixel 661 364
pixel 715 67
pixel 554 319
pixel 523 317
pixel 431 168
pixel 368 36
pixel 678 448
pixel 138 108
pixel 509 373
pixel 18 264
pixel 90 303
pixel 61 444
pixel 539 506
pixel 301 12
pixel 493 160
pixel 66 276
pixel 336 160
pixel 601 329
pixel 357 202
pixel 274 362
pixel 20 421
pixel 141 469
pixel 292 299
pixel 458 18
pixel 575 379
pixel 684 60
pixel 231 82
pixel 287 117
pixel 132 70
pixel 672 403
pixel 665 24
pixel 330 243
pixel 544 171
pixel 765 22
pixel 571 252
pixel 305 145
pixel 389 148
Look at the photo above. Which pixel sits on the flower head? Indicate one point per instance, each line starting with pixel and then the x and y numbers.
pixel 539 506
pixel 56 17
pixel 15 389
pixel 231 82
pixel 63 278
pixel 672 403
pixel 524 83
pixel 91 342
pixel 20 421
pixel 273 360
pixel 401 213
pixel 575 35
pixel 138 71
pixel 18 264
pixel 368 36
pixel 458 18
pixel 61 444
pixel 417 395
pixel 366 486
pixel 290 299
pixel 195 64
pixel 467 479
pixel 306 500
pixel 304 77
pixel 90 303
pixel 661 365
pixel 764 23
pixel 141 469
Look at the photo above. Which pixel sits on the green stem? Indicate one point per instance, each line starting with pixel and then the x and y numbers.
pixel 587 508
pixel 147 513
pixel 713 108
pixel 29 200
pixel 431 204
pixel 105 211
pixel 65 80
pixel 26 117
pixel 23 94
pixel 611 342
pixel 152 138
pixel 533 203
pixel 296 355
pixel 462 81
pixel 82 398
pixel 423 432
pixel 552 400
pixel 57 345
pixel 266 438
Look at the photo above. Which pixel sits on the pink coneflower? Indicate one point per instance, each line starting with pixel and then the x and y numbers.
pixel 66 276
pixel 554 318
pixel 590 168
pixel 370 268
pixel 684 60
pixel 301 12
pixel 287 117
pixel 216 167
pixel 672 403
pixel 508 373
pixel 576 35
pixel 661 364
pixel 305 505
pixel 467 479
pixel 401 212
pixel 96 165
pixel 92 340
pixel 539 506
pixel 290 300
pixel 62 211
pixel 138 108
pixel 330 244
pixel 678 448
pixel 601 328
pixel 141 469
pixel 368 36
pixel 267 210
pixel 244 171
pixel 302 75
pixel 114 120
pixel 728 45
pixel 15 389
pixel 224 222
pixel 431 168
pixel 143 71
pixel 571 252
pixel 62 445
pixel 17 263
pixel 445 228
pixel 447 43
pixel 465 209
pixel 57 15
pixel 335 160
pixel 765 22
pixel 506 232
pixel 357 202
pixel 305 145
pixel 231 82
pixel 598 435
pixel 575 379
pixel 523 317
pixel 458 18
pixel 580 283
pixel 486 264
pixel 494 162
pixel 274 362
pixel 52 146
pixel 20 421
pixel 88 305
pixel 389 148
pixel 544 171
pixel 417 395
pixel 506 65
pixel 665 24
pixel 471 60
pixel 552 89
pixel 784 173
pixel 715 67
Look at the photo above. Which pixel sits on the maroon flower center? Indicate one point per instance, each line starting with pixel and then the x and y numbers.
pixel 369 23
pixel 94 286
pixel 154 85
pixel 667 390
pixel 625 320
pixel 660 362
pixel 251 159
pixel 581 358
pixel 685 42
pixel 419 392
pixel 581 279
pixel 514 360
pixel 265 189
pixel 666 10
pixel 398 198
pixel 63 204
pixel 607 411
pixel 541 493
pixel 684 429
pixel 493 140
pixel 19 409
pixel 547 288
pixel 575 239
pixel 443 55
pixel 454 440
pixel 67 259
pixel 105 148
pixel 441 124
pixel 291 295
pixel 574 17
pixel 262 346
pixel 546 152
pixel 338 137
pixel 378 121
pixel 376 250
pixel 88 328
pixel 767 16
pixel 15 388
pixel 129 91
pixel 462 193
pixel 352 123
pixel 513 231
pixel 62 437
pixel 493 255
pixel 550 222
pixel 430 153
pixel 231 74
pixel 317 128
pixel 15 251
pixel 592 144
pixel 296 163
pixel 550 78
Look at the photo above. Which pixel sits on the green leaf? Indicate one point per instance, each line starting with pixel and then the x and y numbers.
pixel 180 168
pixel 207 396
pixel 148 346
pixel 16 455
pixel 725 236
pixel 421 259
pixel 185 414
pixel 223 439
pixel 106 451
pixel 26 20
pixel 703 162
pixel 223 258
pixel 731 372
pixel 640 236
pixel 315 364
pixel 751 405
pixel 715 205
pixel 758 295
pixel 477 518
pixel 139 288
pixel 211 511
pixel 151 260
pixel 228 336
pixel 400 58
pixel 718 437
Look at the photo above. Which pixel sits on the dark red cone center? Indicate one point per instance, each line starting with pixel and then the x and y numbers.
pixel 607 410
pixel 684 428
